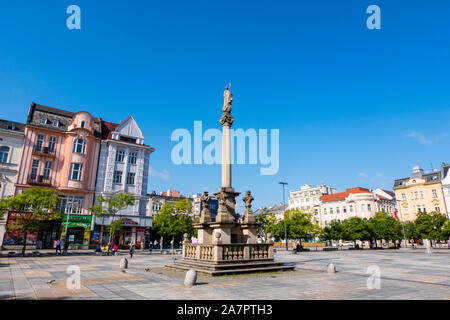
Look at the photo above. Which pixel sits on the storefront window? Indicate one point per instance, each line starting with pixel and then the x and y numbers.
pixel 71 204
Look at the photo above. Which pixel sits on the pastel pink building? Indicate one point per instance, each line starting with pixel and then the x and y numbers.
pixel 61 151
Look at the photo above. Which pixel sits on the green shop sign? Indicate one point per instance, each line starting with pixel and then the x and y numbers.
pixel 77 221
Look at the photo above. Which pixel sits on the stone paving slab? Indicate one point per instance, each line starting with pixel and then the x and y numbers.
pixel 404 275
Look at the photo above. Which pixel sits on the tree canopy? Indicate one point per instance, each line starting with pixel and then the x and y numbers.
pixel 32 208
pixel 175 219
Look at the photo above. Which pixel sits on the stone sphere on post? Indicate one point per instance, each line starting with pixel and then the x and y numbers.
pixel 218 235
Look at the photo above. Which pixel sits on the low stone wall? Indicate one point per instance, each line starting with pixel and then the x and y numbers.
pixel 222 253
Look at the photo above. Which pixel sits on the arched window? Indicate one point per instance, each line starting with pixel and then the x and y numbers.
pixel 4 151
pixel 79 146
pixel 82 124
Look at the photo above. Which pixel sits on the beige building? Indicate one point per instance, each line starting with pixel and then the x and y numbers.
pixel 307 198
pixel 419 192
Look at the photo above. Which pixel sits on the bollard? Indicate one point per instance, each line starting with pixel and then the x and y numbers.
pixel 331 268
pixel 191 278
pixel 123 263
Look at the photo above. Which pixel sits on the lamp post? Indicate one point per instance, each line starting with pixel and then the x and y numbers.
pixel 284 214
pixel 403 226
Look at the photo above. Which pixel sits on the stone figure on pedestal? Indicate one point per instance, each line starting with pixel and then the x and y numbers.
pixel 205 215
pixel 227 100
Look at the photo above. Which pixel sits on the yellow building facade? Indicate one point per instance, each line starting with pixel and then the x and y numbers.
pixel 418 193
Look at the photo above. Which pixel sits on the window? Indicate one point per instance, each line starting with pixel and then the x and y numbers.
pixel 120 155
pixel 421 194
pixel 48 167
pixel 363 207
pixel 418 208
pixel 51 144
pixel 324 210
pixel 416 194
pixel 34 169
pixel 130 178
pixel 405 210
pixel 403 196
pixel 337 210
pixel 79 146
pixel 369 207
pixel 82 124
pixel 434 193
pixel 117 177
pixel 437 208
pixel 71 204
pixel 344 209
pixel 351 208
pixel 4 151
pixel 132 158
pixel 39 142
pixel 75 171
pixel 55 123
pixel 331 210
pixel 43 120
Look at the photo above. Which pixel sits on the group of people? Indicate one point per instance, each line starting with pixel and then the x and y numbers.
pixel 114 248
pixel 59 244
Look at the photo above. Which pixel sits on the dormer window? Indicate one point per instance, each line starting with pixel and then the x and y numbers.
pixel 82 125
pixel 43 120
pixel 55 123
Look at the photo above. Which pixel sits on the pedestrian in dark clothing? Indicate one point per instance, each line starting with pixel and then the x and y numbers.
pixel 66 246
pixel 58 246
pixel 131 249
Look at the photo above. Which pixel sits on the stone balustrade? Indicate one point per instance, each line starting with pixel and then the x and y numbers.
pixel 217 253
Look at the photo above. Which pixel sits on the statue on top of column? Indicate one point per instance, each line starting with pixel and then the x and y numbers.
pixel 227 99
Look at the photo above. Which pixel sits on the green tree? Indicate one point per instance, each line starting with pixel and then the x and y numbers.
pixel 356 228
pixel 174 220
pixel 446 230
pixel 33 208
pixel 384 227
pixel 411 231
pixel 111 206
pixel 429 225
pixel 263 221
pixel 299 225
pixel 333 231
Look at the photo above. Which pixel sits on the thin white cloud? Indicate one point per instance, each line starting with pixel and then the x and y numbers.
pixel 164 174
pixel 420 137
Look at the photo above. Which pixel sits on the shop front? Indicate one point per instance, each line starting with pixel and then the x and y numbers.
pixel 133 229
pixel 78 230
pixel 43 239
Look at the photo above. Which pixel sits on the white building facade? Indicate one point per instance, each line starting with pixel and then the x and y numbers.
pixel 445 182
pixel 355 202
pixel 11 146
pixel 307 198
pixel 124 166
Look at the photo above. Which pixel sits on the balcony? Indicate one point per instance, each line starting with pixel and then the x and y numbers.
pixel 45 151
pixel 39 180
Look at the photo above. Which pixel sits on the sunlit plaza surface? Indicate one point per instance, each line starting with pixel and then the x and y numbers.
pixel 404 274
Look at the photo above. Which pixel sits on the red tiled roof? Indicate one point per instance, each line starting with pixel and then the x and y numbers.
pixel 342 195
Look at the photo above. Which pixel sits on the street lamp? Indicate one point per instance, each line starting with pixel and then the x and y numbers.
pixel 403 226
pixel 284 214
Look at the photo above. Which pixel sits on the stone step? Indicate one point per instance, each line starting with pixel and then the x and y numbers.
pixel 242 265
pixel 233 271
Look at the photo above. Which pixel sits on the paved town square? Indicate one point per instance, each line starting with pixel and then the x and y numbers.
pixel 409 274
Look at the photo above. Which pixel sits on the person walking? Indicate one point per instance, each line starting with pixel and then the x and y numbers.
pixel 115 250
pixel 131 249
pixel 66 246
pixel 150 247
pixel 58 246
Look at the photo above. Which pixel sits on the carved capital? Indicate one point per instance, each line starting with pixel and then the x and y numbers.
pixel 227 119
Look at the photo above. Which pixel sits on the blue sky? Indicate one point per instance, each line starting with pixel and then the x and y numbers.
pixel 355 107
